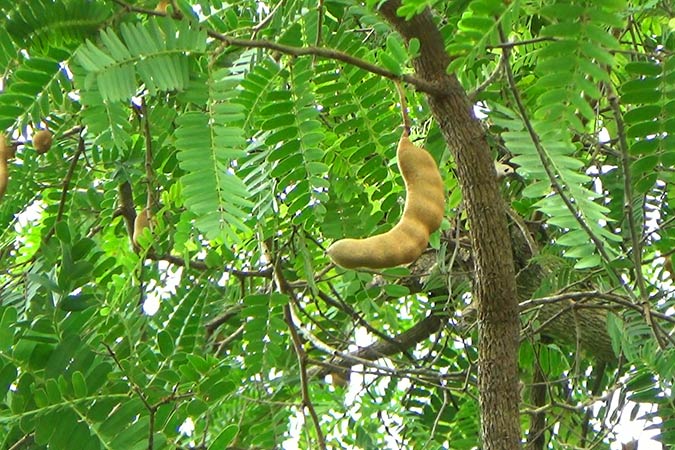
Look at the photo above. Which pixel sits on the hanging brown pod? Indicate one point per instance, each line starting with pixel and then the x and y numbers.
pixel 42 141
pixel 422 215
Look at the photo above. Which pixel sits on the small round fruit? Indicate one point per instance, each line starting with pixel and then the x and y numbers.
pixel 42 141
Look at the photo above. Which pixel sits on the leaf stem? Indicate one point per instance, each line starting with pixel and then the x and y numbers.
pixel 628 197
pixel 404 108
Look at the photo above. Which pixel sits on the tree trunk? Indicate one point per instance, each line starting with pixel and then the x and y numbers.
pixel 495 286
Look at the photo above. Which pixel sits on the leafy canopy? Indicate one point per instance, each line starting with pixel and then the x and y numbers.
pixel 258 133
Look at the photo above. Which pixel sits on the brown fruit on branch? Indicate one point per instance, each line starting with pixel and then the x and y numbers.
pixel 141 222
pixel 422 215
pixel 42 141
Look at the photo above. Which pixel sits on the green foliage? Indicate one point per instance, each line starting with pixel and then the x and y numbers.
pixel 211 190
pixel 476 29
pixel 155 51
pixel 253 158
pixel 649 123
pixel 569 70
pixel 39 25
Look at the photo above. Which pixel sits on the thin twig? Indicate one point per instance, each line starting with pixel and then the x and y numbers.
pixel 66 186
pixel 381 348
pixel 496 73
pixel 319 22
pixel 200 265
pixel 135 387
pixel 151 409
pixel 328 53
pixel 304 380
pixel 509 45
pixel 68 178
pixel 26 441
pixel 439 414
pixel 284 288
pixel 555 183
pixel 629 212
pixel 263 23
pixel 356 317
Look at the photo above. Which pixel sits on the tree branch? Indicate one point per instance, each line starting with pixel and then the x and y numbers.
pixel 390 346
pixel 322 52
pixel 503 45
pixel 284 288
pixel 200 265
pixel 66 186
pixel 420 84
pixel 127 210
pixel 494 289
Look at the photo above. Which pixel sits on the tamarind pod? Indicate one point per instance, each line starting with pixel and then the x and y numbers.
pixel 10 150
pixel 422 215
pixel 425 191
pixel 42 141
pixel 4 169
pixel 401 245
pixel 162 6
pixel 141 222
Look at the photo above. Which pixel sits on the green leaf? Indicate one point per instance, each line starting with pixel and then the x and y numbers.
pixel 588 262
pixel 396 49
pixel 394 290
pixel 414 47
pixel 77 302
pixel 643 68
pixel 392 64
pixel 166 343
pixel 8 321
pixel 226 437
pixel 79 384
pixel 63 232
pixel 537 189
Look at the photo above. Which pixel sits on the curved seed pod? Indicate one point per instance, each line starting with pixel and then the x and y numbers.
pixel 162 6
pixel 422 215
pixel 141 222
pixel 4 169
pixel 42 141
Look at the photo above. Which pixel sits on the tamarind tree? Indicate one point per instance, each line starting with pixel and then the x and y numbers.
pixel 172 173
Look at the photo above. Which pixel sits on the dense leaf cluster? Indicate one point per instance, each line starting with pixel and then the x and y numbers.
pixel 255 140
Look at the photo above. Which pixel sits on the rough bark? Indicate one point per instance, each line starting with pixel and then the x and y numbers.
pixel 495 287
